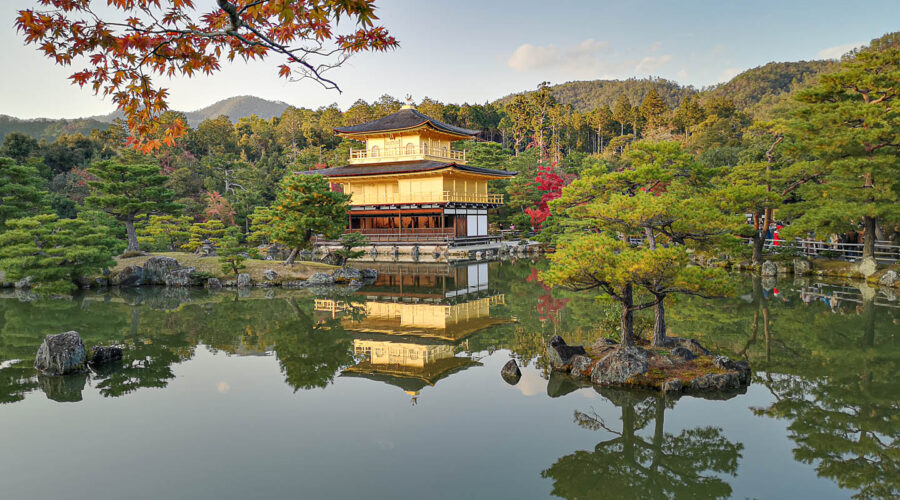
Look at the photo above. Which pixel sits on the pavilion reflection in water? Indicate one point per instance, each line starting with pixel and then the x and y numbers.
pixel 409 326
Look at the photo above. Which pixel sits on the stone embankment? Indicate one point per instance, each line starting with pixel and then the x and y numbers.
pixel 684 366
pixel 866 270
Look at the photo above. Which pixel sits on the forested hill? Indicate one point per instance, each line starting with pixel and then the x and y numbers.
pixel 49 129
pixel 748 90
pixel 587 95
pixel 763 83
pixel 234 108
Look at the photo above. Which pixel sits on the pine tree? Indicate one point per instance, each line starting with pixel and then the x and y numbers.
pixel 165 231
pixel 55 252
pixel 230 251
pixel 849 121
pixel 654 109
pixel 22 191
pixel 350 241
pixel 212 230
pixel 128 192
pixel 305 207
pixel 621 112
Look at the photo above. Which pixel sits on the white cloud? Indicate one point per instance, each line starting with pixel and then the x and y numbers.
pixel 838 50
pixel 652 63
pixel 729 73
pixel 682 75
pixel 532 57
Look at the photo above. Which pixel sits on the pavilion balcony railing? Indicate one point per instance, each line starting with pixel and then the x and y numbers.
pixel 424 234
pixel 434 197
pixel 405 153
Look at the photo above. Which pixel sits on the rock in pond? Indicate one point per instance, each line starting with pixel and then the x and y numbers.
pixel 61 354
pixel 128 276
pixel 243 280
pixel 741 367
pixel 346 275
pixel 101 355
pixel 510 372
pixel 620 365
pixel 157 268
pixel 270 275
pixel 890 278
pixel 213 283
pixel 716 382
pixel 673 386
pixel 683 353
pixel 319 279
pixel 560 354
pixel 582 366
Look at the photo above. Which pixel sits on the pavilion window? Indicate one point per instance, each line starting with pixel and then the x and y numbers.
pixel 376 151
pixel 410 149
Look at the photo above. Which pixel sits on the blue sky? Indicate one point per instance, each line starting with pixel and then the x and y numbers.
pixel 475 51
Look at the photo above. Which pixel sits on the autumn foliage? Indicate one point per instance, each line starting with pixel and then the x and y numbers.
pixel 550 183
pixel 121 53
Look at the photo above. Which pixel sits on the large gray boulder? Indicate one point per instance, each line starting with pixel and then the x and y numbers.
pixel 582 366
pixel 620 365
pixel 769 268
pixel 510 372
pixel 560 354
pixel 213 283
pixel 23 284
pixel 157 268
pixel 742 368
pixel 716 382
pixel 319 279
pixel 270 275
pixel 802 267
pixel 682 352
pixel 61 354
pixel 243 280
pixel 346 275
pixel 180 277
pixel 673 386
pixel 890 278
pixel 128 276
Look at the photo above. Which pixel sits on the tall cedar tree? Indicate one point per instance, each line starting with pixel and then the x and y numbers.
pixel 850 121
pixel 128 192
pixel 22 191
pixel 55 252
pixel 175 38
pixel 305 207
pixel 654 109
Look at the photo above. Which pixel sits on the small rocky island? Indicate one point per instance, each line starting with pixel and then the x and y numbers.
pixel 684 366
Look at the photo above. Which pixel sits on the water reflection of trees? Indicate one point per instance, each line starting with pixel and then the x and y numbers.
pixel 662 465
pixel 830 362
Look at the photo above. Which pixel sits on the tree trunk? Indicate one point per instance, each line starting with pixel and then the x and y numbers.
pixel 659 324
pixel 627 332
pixel 758 242
pixel 292 256
pixel 132 236
pixel 868 251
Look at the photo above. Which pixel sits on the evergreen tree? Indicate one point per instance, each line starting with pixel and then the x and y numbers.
pixel 621 112
pixel 850 122
pixel 212 230
pixel 230 251
pixel 165 231
pixel 22 191
pixel 305 207
pixel 128 192
pixel 55 252
pixel 654 109
pixel 350 241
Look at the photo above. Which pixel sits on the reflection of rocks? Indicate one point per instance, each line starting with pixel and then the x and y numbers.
pixel 890 278
pixel 243 280
pixel 61 354
pixel 346 275
pixel 510 372
pixel 101 355
pixel 561 384
pixel 63 389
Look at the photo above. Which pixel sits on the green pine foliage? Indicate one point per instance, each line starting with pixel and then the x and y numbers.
pixel 212 230
pixel 130 191
pixel 164 232
pixel 230 252
pixel 55 253
pixel 349 243
pixel 22 191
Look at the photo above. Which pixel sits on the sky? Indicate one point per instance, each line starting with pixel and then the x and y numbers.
pixel 477 51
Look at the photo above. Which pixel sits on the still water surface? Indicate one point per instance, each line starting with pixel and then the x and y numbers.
pixel 395 392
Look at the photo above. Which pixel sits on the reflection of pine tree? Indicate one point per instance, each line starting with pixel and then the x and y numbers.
pixel 631 466
pixel 311 353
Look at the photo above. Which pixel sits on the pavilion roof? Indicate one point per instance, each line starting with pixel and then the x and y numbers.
pixel 405 119
pixel 405 167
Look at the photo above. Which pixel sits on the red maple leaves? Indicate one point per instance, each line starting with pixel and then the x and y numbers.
pixel 169 38
pixel 550 182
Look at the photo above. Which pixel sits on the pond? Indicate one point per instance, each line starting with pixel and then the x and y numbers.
pixel 395 392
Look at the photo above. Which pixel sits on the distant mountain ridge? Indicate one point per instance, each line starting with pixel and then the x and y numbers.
pixel 234 108
pixel 750 89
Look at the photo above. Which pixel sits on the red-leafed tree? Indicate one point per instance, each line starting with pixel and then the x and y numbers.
pixel 219 208
pixel 121 51
pixel 550 182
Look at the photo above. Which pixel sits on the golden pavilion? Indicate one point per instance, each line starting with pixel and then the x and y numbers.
pixel 408 186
